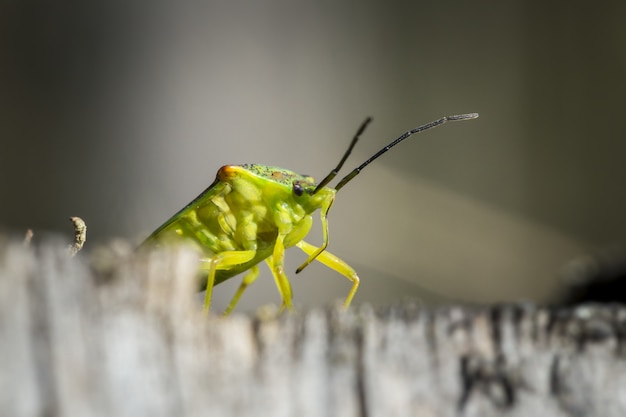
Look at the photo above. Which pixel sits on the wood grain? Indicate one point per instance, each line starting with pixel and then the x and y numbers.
pixel 123 335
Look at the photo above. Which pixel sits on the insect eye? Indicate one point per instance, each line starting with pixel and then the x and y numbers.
pixel 297 189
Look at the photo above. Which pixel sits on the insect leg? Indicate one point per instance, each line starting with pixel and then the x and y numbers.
pixel 335 264
pixel 210 283
pixel 222 260
pixel 276 264
pixel 248 279
pixel 317 251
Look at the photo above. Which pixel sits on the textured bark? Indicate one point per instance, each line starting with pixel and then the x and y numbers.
pixel 125 337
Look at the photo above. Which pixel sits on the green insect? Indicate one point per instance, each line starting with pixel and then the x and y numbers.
pixel 251 213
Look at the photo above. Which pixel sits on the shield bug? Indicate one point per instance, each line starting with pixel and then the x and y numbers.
pixel 252 213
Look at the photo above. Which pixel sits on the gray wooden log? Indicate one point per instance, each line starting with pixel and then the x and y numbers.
pixel 125 337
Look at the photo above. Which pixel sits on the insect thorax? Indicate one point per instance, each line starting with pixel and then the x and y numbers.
pixel 248 207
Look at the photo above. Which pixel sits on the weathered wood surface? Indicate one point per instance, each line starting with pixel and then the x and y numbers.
pixel 130 341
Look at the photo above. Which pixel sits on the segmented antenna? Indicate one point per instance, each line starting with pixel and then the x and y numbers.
pixel 422 128
pixel 335 171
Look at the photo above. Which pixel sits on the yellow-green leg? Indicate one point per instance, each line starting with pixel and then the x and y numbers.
pixel 335 264
pixel 276 265
pixel 248 279
pixel 317 251
pixel 210 283
pixel 222 260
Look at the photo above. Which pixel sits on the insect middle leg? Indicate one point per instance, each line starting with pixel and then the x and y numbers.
pixel 222 260
pixel 276 264
pixel 335 264
pixel 248 279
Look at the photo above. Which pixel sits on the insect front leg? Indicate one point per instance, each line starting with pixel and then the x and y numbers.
pixel 248 279
pixel 314 254
pixel 335 264
pixel 276 264
pixel 222 260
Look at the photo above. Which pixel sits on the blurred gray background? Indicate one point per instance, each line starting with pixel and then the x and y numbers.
pixel 121 112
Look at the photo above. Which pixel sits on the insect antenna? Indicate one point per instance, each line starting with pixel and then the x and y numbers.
pixel 335 171
pixel 422 128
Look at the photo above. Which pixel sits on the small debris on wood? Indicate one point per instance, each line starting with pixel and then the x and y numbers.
pixel 80 235
pixel 28 237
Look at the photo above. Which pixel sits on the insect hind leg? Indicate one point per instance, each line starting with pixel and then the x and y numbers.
pixel 336 264
pixel 248 279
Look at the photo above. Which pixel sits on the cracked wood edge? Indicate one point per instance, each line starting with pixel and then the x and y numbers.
pixel 130 339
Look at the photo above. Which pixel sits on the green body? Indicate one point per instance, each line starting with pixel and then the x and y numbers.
pixel 246 211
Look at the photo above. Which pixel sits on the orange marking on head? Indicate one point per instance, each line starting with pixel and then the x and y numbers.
pixel 227 172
